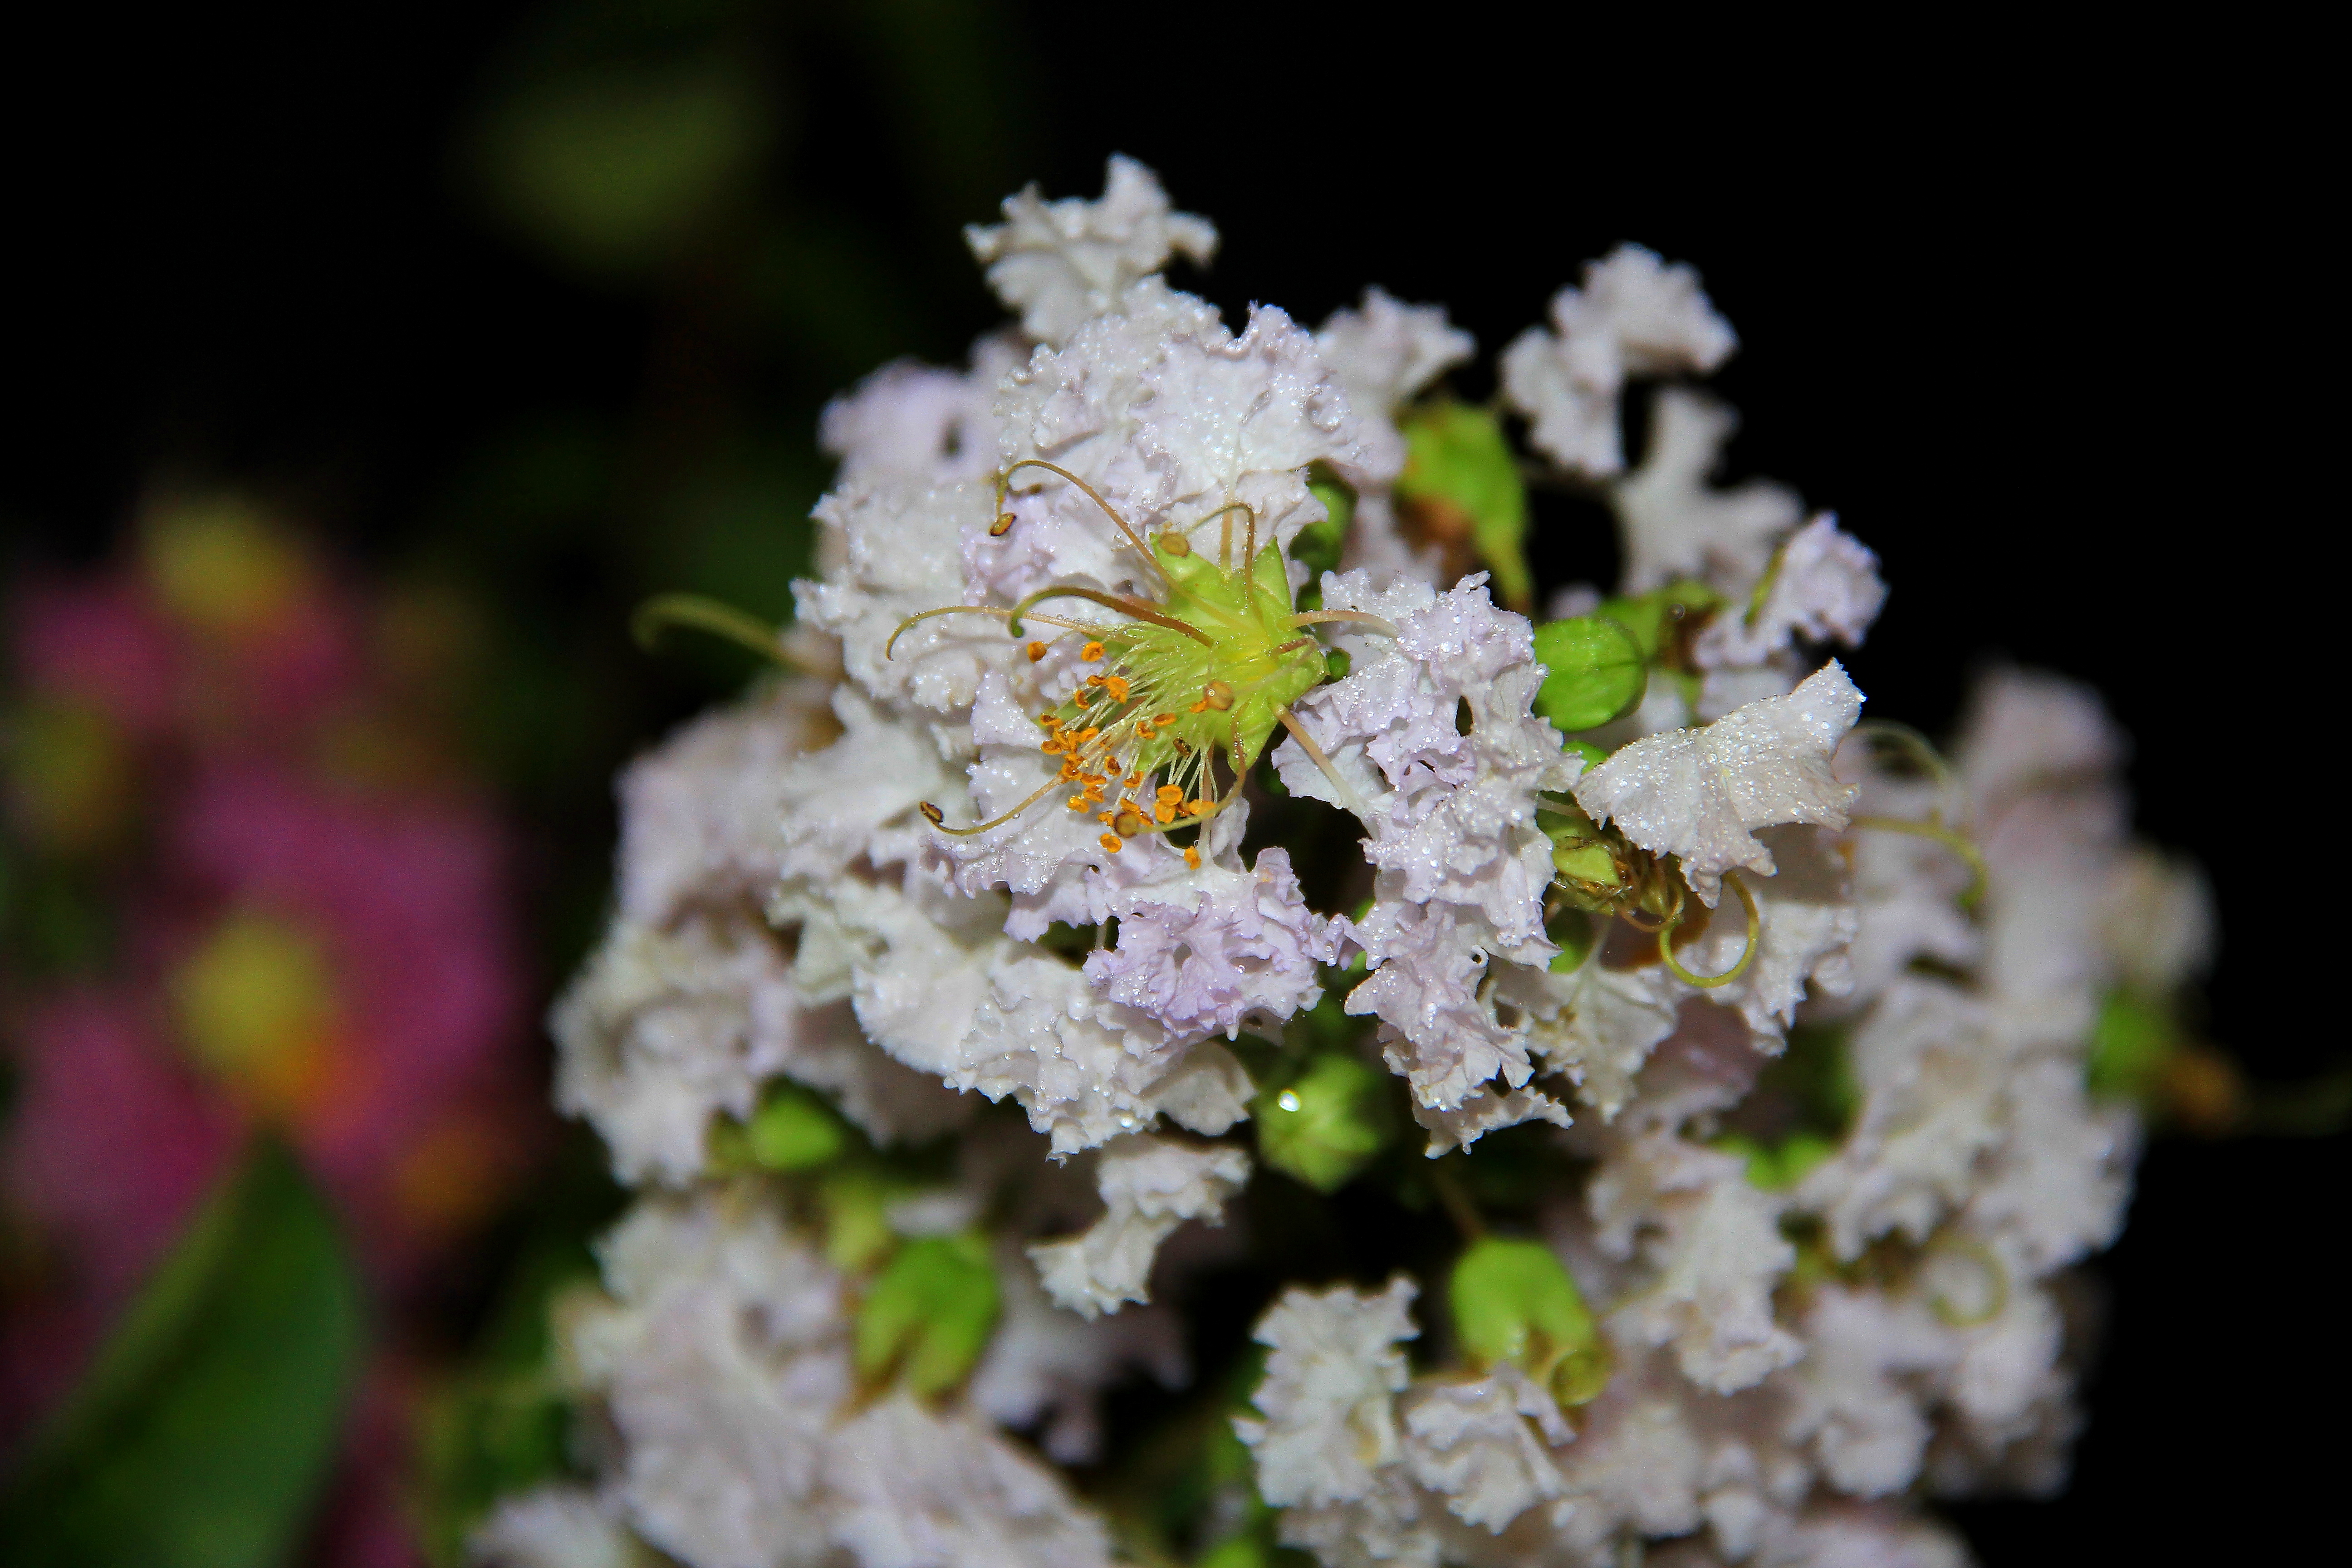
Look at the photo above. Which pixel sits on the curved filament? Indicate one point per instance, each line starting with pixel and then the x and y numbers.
pixel 1348 798
pixel 932 814
pixel 968 610
pixel 1746 953
pixel 1004 482
pixel 664 610
pixel 1119 601
pixel 1354 618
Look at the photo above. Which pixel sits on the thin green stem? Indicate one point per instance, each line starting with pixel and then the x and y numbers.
pixel 705 615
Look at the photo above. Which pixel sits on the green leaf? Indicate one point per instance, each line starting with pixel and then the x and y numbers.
pixel 1325 1125
pixel 204 1430
pixel 1596 672
pixel 1462 481
pixel 930 1314
pixel 1513 1301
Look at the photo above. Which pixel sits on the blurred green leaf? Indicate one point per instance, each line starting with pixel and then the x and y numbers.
pixel 613 167
pixel 1513 1301
pixel 930 1314
pixel 203 1432
pixel 1461 482
pixel 1325 1125
pixel 1649 615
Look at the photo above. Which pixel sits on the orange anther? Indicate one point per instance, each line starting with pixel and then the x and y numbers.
pixel 1163 812
pixel 1116 685
pixel 1036 651
pixel 1091 652
pixel 1193 858
pixel 1105 817
pixel 1002 526
pixel 1200 707
pixel 1077 803
pixel 1109 841
pixel 1196 809
pixel 1088 733
pixel 1169 795
pixel 1165 719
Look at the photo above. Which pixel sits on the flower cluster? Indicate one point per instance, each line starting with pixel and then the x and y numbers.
pixel 1151 773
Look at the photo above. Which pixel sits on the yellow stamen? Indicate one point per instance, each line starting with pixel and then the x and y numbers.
pixel 1091 652
pixel 1077 803
pixel 1116 686
pixel 1163 812
pixel 1109 841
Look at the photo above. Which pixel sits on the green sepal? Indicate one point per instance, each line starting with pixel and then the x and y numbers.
pixel 2130 1044
pixel 1587 863
pixel 929 1313
pixel 1596 671
pixel 1513 1301
pixel 208 1423
pixel 854 1203
pixel 1457 462
pixel 1327 1124
pixel 1571 931
pixel 1647 615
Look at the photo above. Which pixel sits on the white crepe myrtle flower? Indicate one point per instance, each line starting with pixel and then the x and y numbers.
pixel 1635 316
pixel 1824 585
pixel 1046 1369
pixel 1711 1243
pixel 1204 953
pixel 1821 1158
pixel 1328 1406
pixel 1451 818
pixel 699 815
pixel 918 1490
pixel 1483 1445
pixel 721 1355
pixel 1149 1186
pixel 556 1527
pixel 1673 522
pixel 918 422
pixel 1057 263
pixel 1700 793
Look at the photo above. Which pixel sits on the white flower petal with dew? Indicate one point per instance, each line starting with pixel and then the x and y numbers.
pixel 1868 1358
pixel 1059 262
pixel 1149 1186
pixel 1635 316
pixel 1327 1403
pixel 1469 1441
pixel 1596 1023
pixel 556 1527
pixel 899 541
pixel 1204 954
pixel 699 815
pixel 861 798
pixel 918 422
pixel 1826 586
pixel 1713 1243
pixel 721 1355
pixel 1673 522
pixel 912 1489
pixel 1698 794
pixel 1384 351
pixel 1484 1111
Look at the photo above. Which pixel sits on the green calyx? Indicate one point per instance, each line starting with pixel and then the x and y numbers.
pixel 929 1314
pixel 1513 1301
pixel 1319 544
pixel 1662 619
pixel 1596 671
pixel 1461 482
pixel 790 1130
pixel 1327 1124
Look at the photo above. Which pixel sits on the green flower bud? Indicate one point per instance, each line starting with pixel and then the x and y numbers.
pixel 930 1314
pixel 1597 671
pixel 1462 481
pixel 1587 863
pixel 1776 1168
pixel 1324 1127
pixel 1572 933
pixel 792 1130
pixel 2129 1046
pixel 1513 1301
pixel 1650 615
pixel 857 1233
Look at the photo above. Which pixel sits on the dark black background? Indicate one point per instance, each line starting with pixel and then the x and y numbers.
pixel 2049 321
